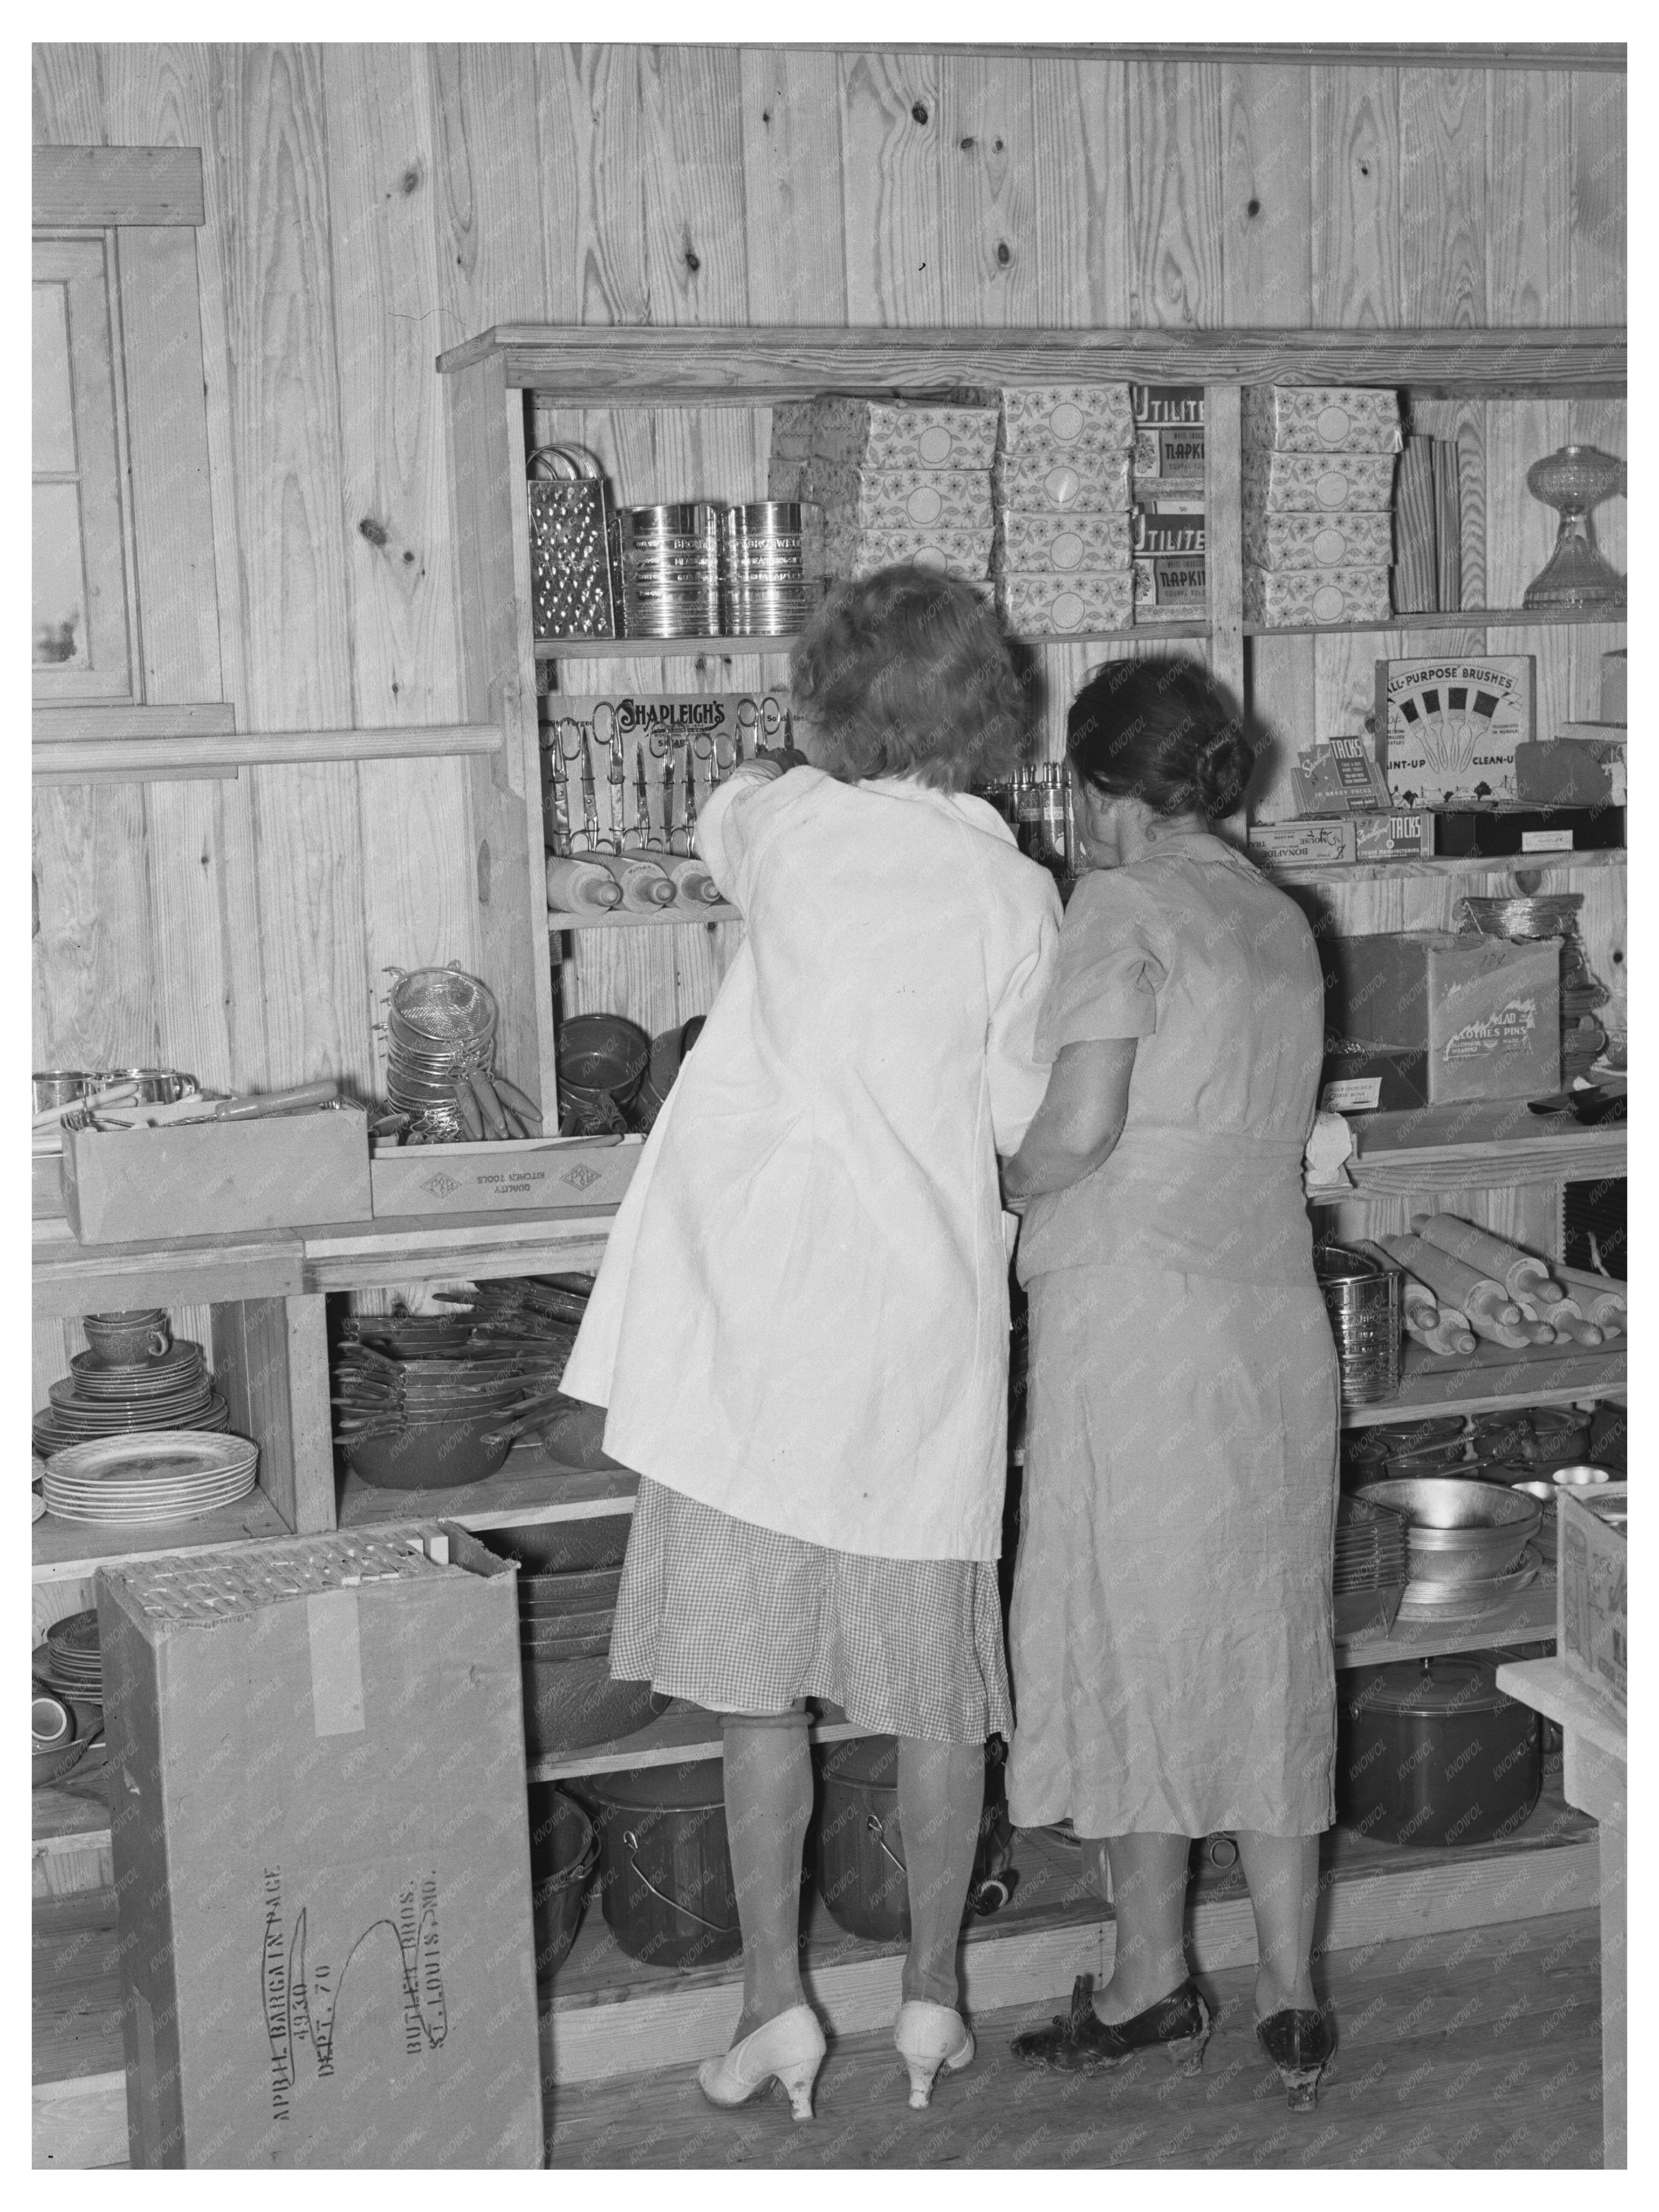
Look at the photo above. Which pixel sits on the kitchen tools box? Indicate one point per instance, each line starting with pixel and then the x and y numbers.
pixel 552 1175
pixel 322 1855
pixel 211 1178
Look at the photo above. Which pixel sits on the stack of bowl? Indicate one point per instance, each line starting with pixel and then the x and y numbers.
pixel 568 1573
pixel 417 1413
pixel 170 1390
pixel 1468 1542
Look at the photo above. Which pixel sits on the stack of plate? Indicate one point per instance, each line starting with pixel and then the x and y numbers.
pixel 170 1474
pixel 173 1392
pixel 1461 1600
pixel 75 1661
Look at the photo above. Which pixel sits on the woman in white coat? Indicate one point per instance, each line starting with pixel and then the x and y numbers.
pixel 800 1326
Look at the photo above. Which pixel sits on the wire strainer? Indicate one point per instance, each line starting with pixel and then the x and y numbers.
pixel 440 1024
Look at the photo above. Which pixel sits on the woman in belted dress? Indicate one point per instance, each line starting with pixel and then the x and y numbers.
pixel 801 1327
pixel 1172 1643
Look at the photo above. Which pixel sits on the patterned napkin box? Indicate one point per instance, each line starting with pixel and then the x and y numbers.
pixel 881 433
pixel 1318 541
pixel 1317 483
pixel 1291 596
pixel 900 498
pixel 1170 453
pixel 1036 482
pixel 791 449
pixel 1317 418
pixel 1060 544
pixel 1165 526
pixel 1057 606
pixel 852 551
pixel 1170 588
pixel 1057 419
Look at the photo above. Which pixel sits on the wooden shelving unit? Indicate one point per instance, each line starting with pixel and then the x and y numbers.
pixel 1493 1380
pixel 673 649
pixel 668 917
pixel 1464 618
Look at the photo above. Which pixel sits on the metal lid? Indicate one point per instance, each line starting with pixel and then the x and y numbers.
pixel 697 1786
pixel 1435 1689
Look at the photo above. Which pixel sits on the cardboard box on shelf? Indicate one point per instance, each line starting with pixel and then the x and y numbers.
pixel 1055 419
pixel 1317 842
pixel 322 1855
pixel 1170 453
pixel 1339 776
pixel 1497 832
pixel 1577 772
pixel 551 1175
pixel 1038 482
pixel 1306 418
pixel 1483 1015
pixel 900 498
pixel 1055 606
pixel 851 551
pixel 1160 406
pixel 897 434
pixel 1291 596
pixel 1038 544
pixel 1171 587
pixel 1394 836
pixel 1359 1078
pixel 1316 483
pixel 1318 541
pixel 204 1178
pixel 1447 729
pixel 1592 1632
pixel 1159 525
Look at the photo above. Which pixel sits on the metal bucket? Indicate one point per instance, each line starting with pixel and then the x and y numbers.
pixel 665 1882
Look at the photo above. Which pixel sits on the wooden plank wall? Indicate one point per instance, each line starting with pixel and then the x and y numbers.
pixel 366 205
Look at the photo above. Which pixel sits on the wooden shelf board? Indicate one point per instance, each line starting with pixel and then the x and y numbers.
pixel 1528 1618
pixel 72 1551
pixel 1467 618
pixel 181 754
pixel 530 1491
pixel 1493 1379
pixel 1396 872
pixel 71 1278
pixel 683 1732
pixel 671 917
pixel 1443 1148
pixel 410 1249
pixel 640 648
pixel 736 365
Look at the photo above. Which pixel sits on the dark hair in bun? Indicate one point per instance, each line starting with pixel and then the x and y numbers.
pixel 1163 732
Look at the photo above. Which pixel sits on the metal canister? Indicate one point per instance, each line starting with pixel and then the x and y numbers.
pixel 1363 1300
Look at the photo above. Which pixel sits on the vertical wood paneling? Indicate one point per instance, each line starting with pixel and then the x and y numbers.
pixel 988 189
pixel 691 154
pixel 1175 193
pixel 284 400
pixel 394 519
pixel 1529 196
pixel 1267 236
pixel 501 202
pixel 588 105
pixel 1600 182
pixel 1443 197
pixel 1082 218
pixel 890 188
pixel 69 95
pixel 1356 198
pixel 792 186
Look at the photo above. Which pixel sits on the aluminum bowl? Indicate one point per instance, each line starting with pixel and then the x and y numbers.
pixel 1458 1529
pixel 563 1546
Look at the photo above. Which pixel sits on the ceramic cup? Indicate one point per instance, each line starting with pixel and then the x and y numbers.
pixel 127 1339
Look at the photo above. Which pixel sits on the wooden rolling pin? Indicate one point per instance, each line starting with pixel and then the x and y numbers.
pixel 1426 1322
pixel 1485 1305
pixel 1492 1257
pixel 1564 1315
pixel 1600 1301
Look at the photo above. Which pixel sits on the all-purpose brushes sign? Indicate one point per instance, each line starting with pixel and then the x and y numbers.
pixel 1447 729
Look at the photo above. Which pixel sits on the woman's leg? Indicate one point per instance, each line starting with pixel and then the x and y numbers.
pixel 1283 1875
pixel 941 1795
pixel 1149 1902
pixel 769 1802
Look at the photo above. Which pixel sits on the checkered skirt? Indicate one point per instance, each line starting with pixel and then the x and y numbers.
pixel 742 1619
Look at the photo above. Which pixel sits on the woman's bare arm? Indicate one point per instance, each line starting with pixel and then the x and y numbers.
pixel 1079 1120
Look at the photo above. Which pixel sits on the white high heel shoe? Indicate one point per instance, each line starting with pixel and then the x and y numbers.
pixel 789 2049
pixel 926 2037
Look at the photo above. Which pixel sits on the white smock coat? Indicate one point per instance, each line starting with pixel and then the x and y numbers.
pixel 802 1315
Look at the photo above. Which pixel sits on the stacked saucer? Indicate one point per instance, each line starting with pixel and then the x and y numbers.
pixel 75 1663
pixel 173 1392
pixel 169 1474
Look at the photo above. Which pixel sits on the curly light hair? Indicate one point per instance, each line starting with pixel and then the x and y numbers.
pixel 906 673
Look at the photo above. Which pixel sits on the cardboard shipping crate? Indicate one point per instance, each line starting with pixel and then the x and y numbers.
pixel 208 1178
pixel 568 1175
pixel 1592 1630
pixel 322 1855
pixel 1484 1014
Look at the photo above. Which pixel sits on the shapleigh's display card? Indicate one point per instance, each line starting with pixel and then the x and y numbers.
pixel 1447 730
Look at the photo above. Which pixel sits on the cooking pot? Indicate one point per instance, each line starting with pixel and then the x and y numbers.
pixel 1435 1754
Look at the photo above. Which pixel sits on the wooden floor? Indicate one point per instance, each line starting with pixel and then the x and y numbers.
pixel 1477 2050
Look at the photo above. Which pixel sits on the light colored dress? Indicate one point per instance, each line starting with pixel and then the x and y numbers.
pixel 1170 1637
pixel 800 1326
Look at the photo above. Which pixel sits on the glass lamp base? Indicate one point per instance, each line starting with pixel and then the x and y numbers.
pixel 1576 575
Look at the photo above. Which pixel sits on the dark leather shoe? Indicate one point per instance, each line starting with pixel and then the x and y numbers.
pixel 1081 2043
pixel 1300 2043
